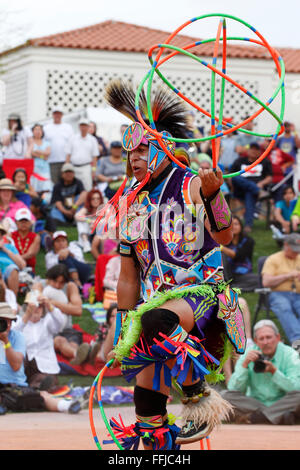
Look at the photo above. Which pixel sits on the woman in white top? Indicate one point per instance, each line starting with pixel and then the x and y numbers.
pixel 16 140
pixel 39 324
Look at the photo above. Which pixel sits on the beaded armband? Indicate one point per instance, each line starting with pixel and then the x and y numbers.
pixel 217 210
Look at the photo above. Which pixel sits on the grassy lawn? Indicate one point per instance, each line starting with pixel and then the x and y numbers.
pixel 264 245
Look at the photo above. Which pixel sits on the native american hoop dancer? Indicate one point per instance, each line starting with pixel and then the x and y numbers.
pixel 176 314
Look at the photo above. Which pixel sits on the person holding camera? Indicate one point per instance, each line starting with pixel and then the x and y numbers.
pixel 16 139
pixel 39 324
pixel 265 386
pixel 15 393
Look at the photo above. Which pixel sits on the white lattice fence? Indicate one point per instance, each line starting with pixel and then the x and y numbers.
pixel 79 89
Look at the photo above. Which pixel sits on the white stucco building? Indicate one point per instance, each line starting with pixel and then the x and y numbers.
pixel 71 69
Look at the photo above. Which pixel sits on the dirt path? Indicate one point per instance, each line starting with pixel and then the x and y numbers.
pixel 60 431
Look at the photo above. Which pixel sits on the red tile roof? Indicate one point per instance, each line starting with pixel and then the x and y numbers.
pixel 125 37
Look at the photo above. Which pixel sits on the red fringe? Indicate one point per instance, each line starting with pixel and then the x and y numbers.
pixel 113 207
pixel 112 203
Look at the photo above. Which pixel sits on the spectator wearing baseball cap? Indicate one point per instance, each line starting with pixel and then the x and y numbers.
pixel 68 195
pixel 58 134
pixel 281 273
pixel 27 242
pixel 69 254
pixel 111 170
pixel 83 152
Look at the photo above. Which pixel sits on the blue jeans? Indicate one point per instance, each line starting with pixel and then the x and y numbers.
pixel 83 269
pixel 247 191
pixel 286 306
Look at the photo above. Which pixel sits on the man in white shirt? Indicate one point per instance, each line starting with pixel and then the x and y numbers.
pixel 82 152
pixel 58 133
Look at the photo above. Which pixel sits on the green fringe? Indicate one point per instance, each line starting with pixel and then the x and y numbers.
pixel 215 375
pixel 131 329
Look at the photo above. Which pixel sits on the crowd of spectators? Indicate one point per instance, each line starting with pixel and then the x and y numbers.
pixel 53 177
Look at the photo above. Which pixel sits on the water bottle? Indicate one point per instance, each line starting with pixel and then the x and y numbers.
pixel 277 234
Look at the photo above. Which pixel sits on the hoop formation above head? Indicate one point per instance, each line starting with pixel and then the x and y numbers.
pixel 220 125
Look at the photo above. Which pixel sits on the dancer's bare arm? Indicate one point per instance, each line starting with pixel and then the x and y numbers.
pixel 128 288
pixel 128 291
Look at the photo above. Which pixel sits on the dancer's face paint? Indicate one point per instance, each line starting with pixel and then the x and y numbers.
pixel 138 159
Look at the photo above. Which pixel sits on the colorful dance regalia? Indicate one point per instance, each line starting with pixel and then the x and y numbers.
pixel 165 234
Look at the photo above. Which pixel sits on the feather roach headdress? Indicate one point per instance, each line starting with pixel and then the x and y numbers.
pixel 169 114
pixel 169 119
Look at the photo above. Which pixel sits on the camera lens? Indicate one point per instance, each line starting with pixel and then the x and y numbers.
pixel 259 365
pixel 3 325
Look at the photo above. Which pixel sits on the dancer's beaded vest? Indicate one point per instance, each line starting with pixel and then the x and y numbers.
pixel 169 239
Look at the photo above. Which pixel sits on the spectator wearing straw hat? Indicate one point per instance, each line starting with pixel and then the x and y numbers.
pixel 265 385
pixel 9 204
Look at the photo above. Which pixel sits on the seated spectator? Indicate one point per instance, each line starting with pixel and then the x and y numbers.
pixel 40 322
pixel 250 186
pixel 24 191
pixel 284 209
pixel 26 241
pixel 9 204
pixel 15 394
pixel 16 139
pixel 8 296
pixel 237 258
pixel 69 254
pixel 281 164
pixel 265 386
pixel 281 273
pixel 67 196
pixel 65 296
pixel 11 262
pixel 44 225
pixel 85 219
pixel 111 170
pixel 40 151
